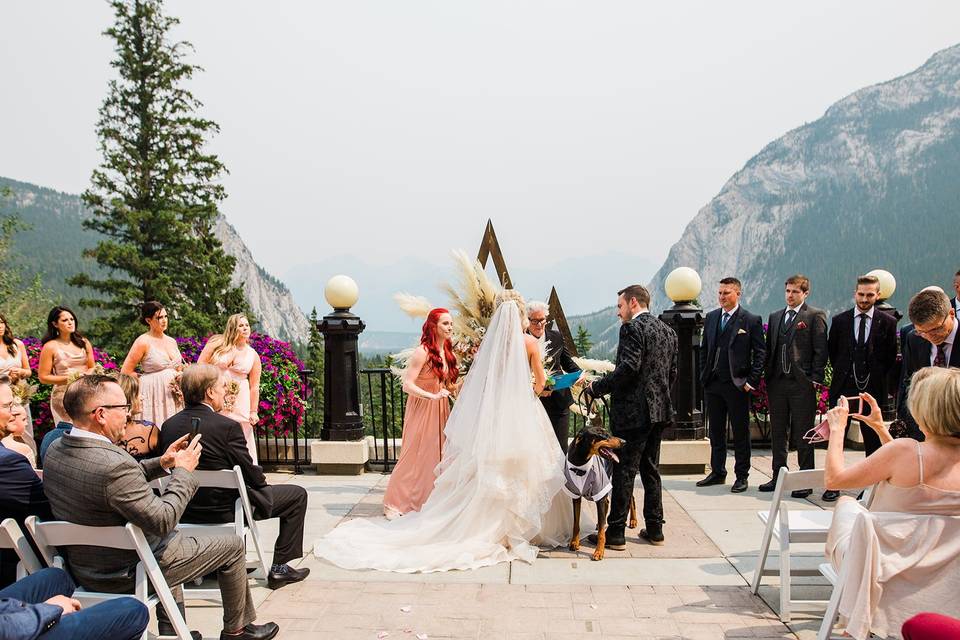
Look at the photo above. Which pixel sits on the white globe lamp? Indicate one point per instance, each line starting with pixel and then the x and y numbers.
pixel 683 285
pixel 888 284
pixel 341 292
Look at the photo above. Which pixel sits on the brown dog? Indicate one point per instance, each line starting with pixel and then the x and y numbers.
pixel 587 471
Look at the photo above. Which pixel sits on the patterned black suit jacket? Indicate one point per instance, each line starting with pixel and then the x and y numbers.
pixel 805 356
pixel 646 370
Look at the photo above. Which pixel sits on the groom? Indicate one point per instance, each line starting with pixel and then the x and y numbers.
pixel 640 407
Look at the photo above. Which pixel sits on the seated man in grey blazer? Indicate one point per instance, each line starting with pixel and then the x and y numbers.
pixel 91 481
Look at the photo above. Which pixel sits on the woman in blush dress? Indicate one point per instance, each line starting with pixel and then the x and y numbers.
pixel 231 352
pixel 15 364
pixel 160 361
pixel 430 376
pixel 65 351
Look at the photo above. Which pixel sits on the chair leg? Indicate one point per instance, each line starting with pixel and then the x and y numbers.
pixel 762 559
pixel 830 615
pixel 784 581
pixel 261 559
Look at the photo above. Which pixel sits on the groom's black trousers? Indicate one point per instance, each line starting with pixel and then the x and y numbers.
pixel 640 454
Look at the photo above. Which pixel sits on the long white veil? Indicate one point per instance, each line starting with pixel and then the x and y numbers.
pixel 499 475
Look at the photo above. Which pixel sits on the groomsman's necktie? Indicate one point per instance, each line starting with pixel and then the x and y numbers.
pixel 788 319
pixel 862 336
pixel 941 358
pixel 723 321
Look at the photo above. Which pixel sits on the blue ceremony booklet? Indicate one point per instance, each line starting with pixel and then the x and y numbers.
pixel 565 381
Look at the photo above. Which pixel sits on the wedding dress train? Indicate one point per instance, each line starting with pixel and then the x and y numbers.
pixel 498 488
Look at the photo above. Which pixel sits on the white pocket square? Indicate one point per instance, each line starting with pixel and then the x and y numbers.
pixel 739 331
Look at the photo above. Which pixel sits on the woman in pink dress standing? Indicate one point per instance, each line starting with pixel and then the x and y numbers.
pixel 231 352
pixel 430 375
pixel 160 361
pixel 65 353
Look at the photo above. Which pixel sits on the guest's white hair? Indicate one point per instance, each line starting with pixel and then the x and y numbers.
pixel 536 305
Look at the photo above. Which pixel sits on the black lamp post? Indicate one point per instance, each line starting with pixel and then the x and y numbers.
pixel 686 318
pixel 342 418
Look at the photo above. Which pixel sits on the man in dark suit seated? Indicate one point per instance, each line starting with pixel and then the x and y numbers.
pixel 732 352
pixel 556 403
pixel 93 482
pixel 863 348
pixel 21 490
pixel 931 344
pixel 224 446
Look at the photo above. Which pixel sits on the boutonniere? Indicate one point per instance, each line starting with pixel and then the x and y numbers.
pixel 740 332
pixel 801 325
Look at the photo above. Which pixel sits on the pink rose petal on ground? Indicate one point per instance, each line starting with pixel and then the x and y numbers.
pixel 405 609
pixel 593 606
pixel 382 634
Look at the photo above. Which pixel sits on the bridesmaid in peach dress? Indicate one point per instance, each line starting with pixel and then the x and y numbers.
pixel 160 361
pixel 241 364
pixel 65 351
pixel 430 376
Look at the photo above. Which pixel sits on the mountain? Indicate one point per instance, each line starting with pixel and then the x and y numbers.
pixel 874 183
pixel 583 283
pixel 52 244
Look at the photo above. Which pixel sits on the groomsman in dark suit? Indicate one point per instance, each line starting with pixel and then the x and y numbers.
pixel 732 352
pixel 556 403
pixel 863 348
pixel 931 344
pixel 640 407
pixel 796 360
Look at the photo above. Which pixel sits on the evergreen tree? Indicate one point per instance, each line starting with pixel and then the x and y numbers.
pixel 582 341
pixel 314 362
pixel 154 196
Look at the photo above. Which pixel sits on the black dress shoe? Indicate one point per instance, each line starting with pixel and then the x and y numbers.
pixel 830 495
pixel 166 629
pixel 653 535
pixel 712 478
pixel 613 541
pixel 739 486
pixel 768 486
pixel 801 493
pixel 254 632
pixel 285 575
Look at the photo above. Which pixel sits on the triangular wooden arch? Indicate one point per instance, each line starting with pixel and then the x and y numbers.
pixel 490 248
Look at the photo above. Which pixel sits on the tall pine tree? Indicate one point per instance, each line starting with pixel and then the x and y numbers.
pixel 155 195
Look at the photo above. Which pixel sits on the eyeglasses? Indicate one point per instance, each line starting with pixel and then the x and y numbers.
pixel 927 332
pixel 9 405
pixel 544 321
pixel 125 407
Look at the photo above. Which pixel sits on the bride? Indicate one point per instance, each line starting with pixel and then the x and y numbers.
pixel 498 488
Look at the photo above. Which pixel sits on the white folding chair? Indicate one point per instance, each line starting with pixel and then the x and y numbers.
pixel 790 526
pixel 11 537
pixel 51 535
pixel 243 524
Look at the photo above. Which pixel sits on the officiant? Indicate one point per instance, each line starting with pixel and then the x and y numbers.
pixel 556 360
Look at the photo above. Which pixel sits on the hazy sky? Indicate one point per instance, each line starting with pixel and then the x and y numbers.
pixel 395 128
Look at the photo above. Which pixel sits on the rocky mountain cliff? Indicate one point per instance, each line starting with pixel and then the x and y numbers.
pixel 874 183
pixel 53 243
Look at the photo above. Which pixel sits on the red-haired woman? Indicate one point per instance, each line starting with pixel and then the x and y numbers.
pixel 430 376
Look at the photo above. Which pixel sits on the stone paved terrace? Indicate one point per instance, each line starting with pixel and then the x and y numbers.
pixel 695 587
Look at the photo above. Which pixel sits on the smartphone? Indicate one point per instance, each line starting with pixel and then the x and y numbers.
pixel 194 428
pixel 855 402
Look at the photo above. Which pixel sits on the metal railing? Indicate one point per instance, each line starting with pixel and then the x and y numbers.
pixel 384 403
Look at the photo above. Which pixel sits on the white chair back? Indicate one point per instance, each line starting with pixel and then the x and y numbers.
pixel 12 537
pixel 50 535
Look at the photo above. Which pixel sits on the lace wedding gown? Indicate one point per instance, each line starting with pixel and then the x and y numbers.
pixel 498 488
